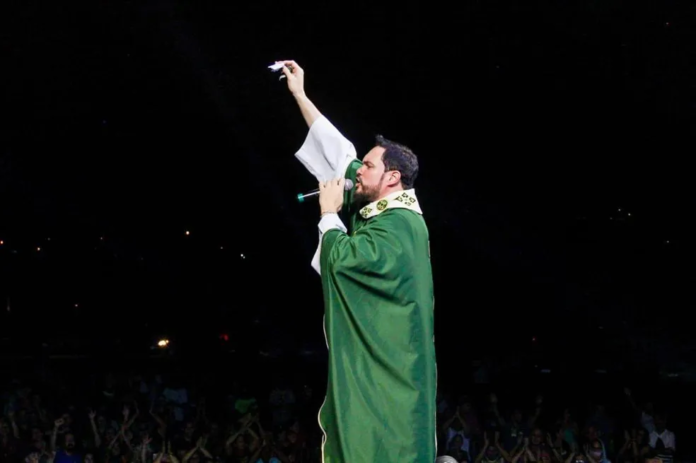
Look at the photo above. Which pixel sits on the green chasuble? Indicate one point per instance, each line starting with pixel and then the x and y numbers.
pixel 378 296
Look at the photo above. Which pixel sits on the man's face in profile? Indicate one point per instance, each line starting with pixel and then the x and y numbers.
pixel 370 177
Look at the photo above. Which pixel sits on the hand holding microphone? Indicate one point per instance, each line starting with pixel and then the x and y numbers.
pixel 348 185
pixel 331 195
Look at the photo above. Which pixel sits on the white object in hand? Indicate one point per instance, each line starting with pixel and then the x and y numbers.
pixel 277 66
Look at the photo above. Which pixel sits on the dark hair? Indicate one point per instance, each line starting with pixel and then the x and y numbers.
pixel 401 158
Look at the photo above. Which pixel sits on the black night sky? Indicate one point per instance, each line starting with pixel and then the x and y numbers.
pixel 554 147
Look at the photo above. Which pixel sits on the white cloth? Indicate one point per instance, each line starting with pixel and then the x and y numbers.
pixel 277 66
pixel 328 222
pixel 326 154
pixel 667 437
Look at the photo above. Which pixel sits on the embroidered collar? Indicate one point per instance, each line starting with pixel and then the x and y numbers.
pixel 399 199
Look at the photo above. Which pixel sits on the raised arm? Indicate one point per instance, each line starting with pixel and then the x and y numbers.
pixel 326 153
pixel 295 76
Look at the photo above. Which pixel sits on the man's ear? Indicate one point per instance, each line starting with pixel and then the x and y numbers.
pixel 394 178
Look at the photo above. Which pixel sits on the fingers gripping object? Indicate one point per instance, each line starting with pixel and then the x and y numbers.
pixel 277 66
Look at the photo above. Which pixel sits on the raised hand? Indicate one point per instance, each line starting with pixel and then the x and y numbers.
pixel 295 76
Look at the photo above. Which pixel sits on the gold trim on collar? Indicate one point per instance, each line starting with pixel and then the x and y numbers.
pixel 399 199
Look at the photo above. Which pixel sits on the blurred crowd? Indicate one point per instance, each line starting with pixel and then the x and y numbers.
pixel 491 436
pixel 176 419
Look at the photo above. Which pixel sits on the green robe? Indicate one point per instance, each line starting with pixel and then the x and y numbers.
pixel 378 296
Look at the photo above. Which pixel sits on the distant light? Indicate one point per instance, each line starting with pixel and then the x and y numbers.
pixel 534 339
pixel 222 247
pixel 1 242
pixel 666 242
pixel 101 238
pixel 188 233
pixel 38 249
pixel 629 214
pixel 546 370
pixel 242 256
pixel 77 305
pixel 163 342
pixel 600 328
pixel 225 337
pixel 48 239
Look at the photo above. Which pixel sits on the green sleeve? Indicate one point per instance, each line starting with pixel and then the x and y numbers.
pixel 349 211
pixel 380 248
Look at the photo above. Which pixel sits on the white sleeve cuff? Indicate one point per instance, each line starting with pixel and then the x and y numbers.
pixel 327 222
pixel 326 153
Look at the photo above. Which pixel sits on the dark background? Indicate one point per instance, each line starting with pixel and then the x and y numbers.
pixel 553 139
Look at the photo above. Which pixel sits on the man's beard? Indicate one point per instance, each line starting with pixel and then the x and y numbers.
pixel 367 194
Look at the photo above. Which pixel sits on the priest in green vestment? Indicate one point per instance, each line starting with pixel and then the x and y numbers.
pixel 378 296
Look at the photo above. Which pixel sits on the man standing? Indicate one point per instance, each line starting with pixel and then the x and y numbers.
pixel 378 296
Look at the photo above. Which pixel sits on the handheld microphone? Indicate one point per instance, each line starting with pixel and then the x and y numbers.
pixel 301 197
